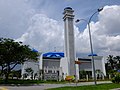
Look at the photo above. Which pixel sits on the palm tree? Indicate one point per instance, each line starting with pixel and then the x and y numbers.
pixel 111 61
pixel 35 75
pixel 29 72
pixel 99 73
pixel 117 58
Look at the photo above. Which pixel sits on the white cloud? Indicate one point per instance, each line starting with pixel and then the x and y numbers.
pixel 13 18
pixel 45 33
pixel 105 33
pixel 24 19
pixel 109 20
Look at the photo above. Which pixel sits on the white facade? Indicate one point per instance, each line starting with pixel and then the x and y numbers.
pixel 99 62
pixel 60 66
pixel 34 66
pixel 64 66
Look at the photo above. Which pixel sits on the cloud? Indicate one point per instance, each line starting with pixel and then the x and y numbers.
pixel 108 20
pixel 46 34
pixel 13 18
pixel 39 24
pixel 105 33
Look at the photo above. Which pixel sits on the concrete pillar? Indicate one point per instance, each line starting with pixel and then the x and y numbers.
pixel 69 40
pixel 87 77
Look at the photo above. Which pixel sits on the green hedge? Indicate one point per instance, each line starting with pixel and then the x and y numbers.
pixel 116 79
pixel 15 81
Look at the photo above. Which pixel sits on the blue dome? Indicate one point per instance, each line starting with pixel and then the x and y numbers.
pixel 92 55
pixel 34 50
pixel 54 54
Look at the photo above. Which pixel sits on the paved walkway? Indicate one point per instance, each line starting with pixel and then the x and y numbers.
pixel 3 88
pixel 46 86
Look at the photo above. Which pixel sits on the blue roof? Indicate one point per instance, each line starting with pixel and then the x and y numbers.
pixel 118 70
pixel 54 54
pixel 34 50
pixel 92 55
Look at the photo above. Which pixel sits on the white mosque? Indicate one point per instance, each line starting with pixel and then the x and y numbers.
pixel 58 65
pixel 52 66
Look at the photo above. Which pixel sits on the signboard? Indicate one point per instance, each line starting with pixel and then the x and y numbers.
pixel 68 78
pixel 50 76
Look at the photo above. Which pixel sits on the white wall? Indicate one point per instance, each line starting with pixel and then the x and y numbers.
pixel 99 62
pixel 30 64
pixel 64 66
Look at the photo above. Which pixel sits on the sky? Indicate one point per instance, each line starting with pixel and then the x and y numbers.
pixel 39 23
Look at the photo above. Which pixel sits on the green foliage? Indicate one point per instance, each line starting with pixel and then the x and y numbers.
pixel 13 53
pixel 22 82
pixel 29 72
pixel 28 82
pixel 15 74
pixel 111 61
pixel 113 64
pixel 82 74
pixel 116 79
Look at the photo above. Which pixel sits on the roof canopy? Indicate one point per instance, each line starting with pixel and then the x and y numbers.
pixel 92 55
pixel 54 54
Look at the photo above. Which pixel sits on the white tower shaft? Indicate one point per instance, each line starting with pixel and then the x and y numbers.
pixel 69 40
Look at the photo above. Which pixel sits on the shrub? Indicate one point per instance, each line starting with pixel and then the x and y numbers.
pixel 15 81
pixel 116 79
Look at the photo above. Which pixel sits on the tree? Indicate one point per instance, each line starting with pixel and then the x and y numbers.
pixel 117 58
pixel 111 62
pixel 13 53
pixel 36 75
pixel 83 74
pixel 15 74
pixel 99 73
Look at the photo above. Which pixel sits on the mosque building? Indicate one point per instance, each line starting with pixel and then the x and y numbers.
pixel 50 66
pixel 59 65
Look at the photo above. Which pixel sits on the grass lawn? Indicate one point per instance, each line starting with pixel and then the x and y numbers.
pixel 90 87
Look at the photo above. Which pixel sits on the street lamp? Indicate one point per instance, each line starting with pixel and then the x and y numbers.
pixel 91 47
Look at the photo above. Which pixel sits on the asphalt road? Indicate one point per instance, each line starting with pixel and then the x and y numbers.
pixel 46 86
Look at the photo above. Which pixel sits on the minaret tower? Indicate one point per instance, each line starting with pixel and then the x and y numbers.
pixel 69 40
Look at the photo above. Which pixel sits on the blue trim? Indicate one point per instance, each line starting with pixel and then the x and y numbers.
pixel 92 55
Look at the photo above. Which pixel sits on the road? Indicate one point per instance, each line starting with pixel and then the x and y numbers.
pixel 46 86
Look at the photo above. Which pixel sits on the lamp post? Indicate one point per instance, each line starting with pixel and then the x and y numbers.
pixel 91 46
